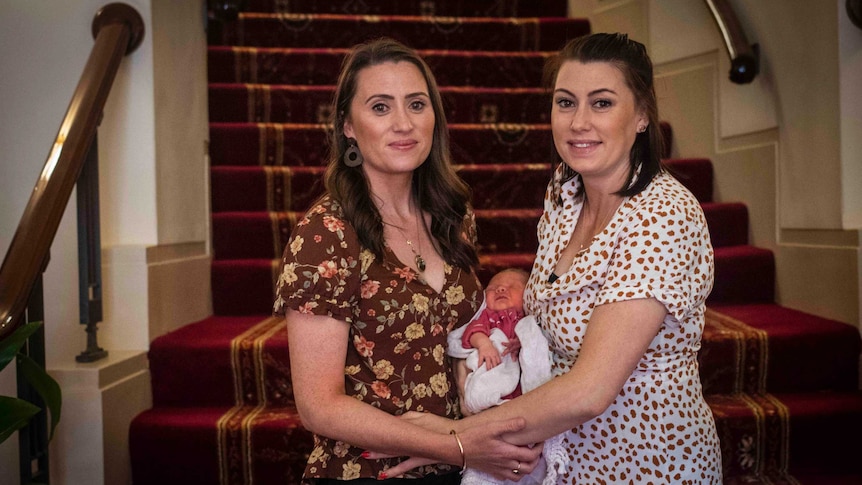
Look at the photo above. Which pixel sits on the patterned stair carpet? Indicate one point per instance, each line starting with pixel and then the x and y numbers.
pixel 782 383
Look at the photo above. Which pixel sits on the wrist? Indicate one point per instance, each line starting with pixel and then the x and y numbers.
pixel 460 450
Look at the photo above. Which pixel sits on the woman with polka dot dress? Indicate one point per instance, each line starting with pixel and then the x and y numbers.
pixel 622 273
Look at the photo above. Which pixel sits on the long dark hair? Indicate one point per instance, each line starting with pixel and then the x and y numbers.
pixel 437 189
pixel 631 58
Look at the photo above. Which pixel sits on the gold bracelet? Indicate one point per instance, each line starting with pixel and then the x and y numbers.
pixel 461 449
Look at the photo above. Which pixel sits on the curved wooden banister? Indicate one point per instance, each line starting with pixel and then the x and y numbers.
pixel 744 59
pixel 118 29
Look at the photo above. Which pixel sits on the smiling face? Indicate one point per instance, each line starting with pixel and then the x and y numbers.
pixel 595 120
pixel 391 118
pixel 506 290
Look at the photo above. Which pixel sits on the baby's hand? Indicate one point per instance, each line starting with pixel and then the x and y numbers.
pixel 488 355
pixel 512 347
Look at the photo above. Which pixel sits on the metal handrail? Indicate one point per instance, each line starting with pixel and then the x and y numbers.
pixel 118 29
pixel 744 57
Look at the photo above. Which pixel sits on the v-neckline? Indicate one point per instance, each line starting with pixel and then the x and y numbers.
pixel 396 261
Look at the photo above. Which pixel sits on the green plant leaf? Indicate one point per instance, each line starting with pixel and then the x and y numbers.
pixel 10 346
pixel 14 415
pixel 45 385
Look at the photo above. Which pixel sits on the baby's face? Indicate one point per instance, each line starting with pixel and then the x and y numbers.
pixel 506 290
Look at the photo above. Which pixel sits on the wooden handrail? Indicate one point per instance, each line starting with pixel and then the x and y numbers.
pixel 118 29
pixel 744 58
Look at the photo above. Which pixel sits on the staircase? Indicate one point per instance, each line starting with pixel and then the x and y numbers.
pixel 782 383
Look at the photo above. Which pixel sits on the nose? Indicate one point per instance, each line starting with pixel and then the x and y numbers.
pixel 402 121
pixel 500 290
pixel 580 120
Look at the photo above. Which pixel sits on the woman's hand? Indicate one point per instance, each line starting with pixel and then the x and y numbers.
pixel 485 449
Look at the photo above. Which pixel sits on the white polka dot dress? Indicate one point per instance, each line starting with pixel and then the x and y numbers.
pixel 659 429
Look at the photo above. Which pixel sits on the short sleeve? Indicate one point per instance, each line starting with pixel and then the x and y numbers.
pixel 663 252
pixel 320 268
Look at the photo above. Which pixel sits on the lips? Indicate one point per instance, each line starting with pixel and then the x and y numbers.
pixel 403 144
pixel 583 147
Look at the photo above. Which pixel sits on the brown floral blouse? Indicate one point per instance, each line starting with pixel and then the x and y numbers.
pixel 398 327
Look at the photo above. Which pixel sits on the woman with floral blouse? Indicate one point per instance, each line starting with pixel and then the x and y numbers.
pixel 374 277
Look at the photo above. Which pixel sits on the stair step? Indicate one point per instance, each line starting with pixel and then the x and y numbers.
pixel 785 431
pixel 727 222
pixel 804 352
pixel 181 446
pixel 263 103
pixel 449 8
pixel 280 144
pixel 252 107
pixel 311 66
pixel 749 349
pixel 278 189
pixel 449 33
pixel 203 350
pixel 189 440
pixel 743 274
pixel 304 145
pixel 243 286
pixel 263 235
pixel 695 174
pixel 274 189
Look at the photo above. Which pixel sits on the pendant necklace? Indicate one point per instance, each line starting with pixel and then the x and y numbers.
pixel 417 255
pixel 420 263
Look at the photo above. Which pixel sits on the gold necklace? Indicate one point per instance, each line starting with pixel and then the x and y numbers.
pixel 417 255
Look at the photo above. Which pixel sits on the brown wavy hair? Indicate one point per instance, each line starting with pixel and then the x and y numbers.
pixel 437 189
pixel 631 58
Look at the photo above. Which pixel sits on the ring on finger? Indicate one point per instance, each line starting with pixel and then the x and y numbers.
pixel 517 470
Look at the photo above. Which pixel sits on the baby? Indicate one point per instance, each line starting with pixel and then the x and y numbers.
pixel 487 376
pixel 504 302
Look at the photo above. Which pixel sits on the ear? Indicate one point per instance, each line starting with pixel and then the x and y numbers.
pixel 643 122
pixel 348 128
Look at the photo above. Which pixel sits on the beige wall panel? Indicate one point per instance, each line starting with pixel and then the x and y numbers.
pixel 681 29
pixel 850 52
pixel 744 168
pixel 819 279
pixel 799 46
pixel 629 17
pixel 181 121
pixel 686 99
pixel 747 174
pixel 179 286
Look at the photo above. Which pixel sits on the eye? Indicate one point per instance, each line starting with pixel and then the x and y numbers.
pixel 418 105
pixel 380 108
pixel 602 103
pixel 564 103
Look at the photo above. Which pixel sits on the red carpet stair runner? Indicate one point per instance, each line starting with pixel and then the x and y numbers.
pixel 782 384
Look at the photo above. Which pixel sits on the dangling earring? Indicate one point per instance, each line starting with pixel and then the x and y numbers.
pixel 352 157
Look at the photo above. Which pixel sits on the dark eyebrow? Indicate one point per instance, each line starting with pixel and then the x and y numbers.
pixel 591 93
pixel 389 97
pixel 383 96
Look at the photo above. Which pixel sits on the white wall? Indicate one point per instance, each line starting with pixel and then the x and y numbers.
pixel 43 49
pixel 153 180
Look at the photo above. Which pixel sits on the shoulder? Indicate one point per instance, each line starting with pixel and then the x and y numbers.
pixel 324 228
pixel 666 200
